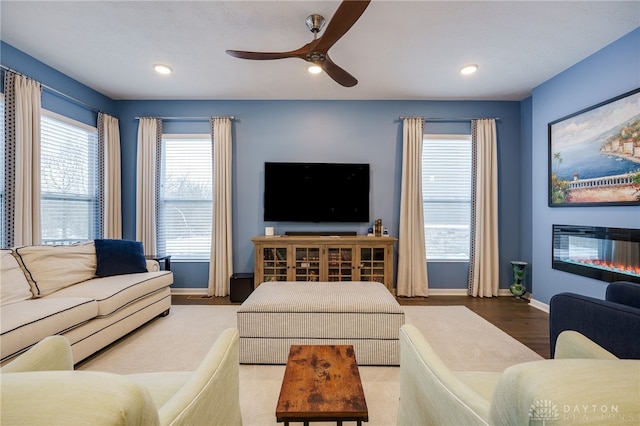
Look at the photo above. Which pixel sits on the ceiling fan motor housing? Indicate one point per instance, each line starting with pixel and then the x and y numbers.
pixel 315 23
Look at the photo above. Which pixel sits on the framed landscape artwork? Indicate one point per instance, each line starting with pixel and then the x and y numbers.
pixel 594 155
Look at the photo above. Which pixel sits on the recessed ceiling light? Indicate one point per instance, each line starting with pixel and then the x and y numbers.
pixel 468 69
pixel 315 69
pixel 162 69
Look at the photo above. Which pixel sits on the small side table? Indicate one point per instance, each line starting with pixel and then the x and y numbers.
pixel 158 258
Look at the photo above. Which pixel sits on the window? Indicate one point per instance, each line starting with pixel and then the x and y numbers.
pixel 446 194
pixel 186 197
pixel 69 180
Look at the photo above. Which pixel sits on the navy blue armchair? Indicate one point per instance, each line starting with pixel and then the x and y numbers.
pixel 613 323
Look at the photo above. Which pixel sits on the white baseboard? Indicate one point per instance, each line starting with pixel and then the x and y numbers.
pixel 447 292
pixel 463 292
pixel 539 305
pixel 432 292
pixel 189 291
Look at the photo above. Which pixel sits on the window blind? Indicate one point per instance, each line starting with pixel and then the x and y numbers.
pixel 69 180
pixel 446 193
pixel 186 197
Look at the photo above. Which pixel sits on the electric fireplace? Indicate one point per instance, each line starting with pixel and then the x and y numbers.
pixel 606 254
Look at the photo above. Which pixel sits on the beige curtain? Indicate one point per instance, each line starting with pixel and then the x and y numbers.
pixel 23 108
pixel 412 259
pixel 484 262
pixel 221 264
pixel 149 139
pixel 109 134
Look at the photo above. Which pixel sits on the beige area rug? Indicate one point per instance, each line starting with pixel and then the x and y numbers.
pixel 464 340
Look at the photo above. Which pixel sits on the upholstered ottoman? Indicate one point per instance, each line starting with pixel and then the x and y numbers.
pixel 280 314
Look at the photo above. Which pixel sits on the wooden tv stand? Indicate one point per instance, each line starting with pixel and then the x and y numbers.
pixel 324 258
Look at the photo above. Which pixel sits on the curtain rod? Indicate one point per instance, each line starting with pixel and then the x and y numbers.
pixel 54 91
pixel 231 117
pixel 452 118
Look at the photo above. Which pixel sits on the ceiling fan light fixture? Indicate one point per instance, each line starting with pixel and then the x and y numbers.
pixel 162 69
pixel 469 69
pixel 315 69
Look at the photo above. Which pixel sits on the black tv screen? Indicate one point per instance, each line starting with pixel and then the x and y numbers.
pixel 316 192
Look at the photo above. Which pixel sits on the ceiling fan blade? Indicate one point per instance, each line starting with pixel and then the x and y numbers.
pixel 263 55
pixel 338 74
pixel 347 14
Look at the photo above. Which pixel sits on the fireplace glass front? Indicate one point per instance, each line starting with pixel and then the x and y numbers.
pixel 606 254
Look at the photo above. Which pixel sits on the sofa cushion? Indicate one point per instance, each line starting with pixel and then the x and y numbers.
pixel 51 268
pixel 613 326
pixel 75 398
pixel 23 324
pixel 568 391
pixel 117 257
pixel 14 286
pixel 113 293
pixel 162 386
pixel 483 382
pixel 624 292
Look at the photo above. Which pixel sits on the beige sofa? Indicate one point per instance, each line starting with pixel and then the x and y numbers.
pixel 40 388
pixel 588 386
pixel 92 293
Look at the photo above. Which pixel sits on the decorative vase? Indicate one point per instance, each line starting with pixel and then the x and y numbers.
pixel 518 288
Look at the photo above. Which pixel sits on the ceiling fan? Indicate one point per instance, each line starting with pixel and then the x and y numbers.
pixel 317 51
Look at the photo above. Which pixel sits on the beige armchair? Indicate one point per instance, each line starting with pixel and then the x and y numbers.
pixel 555 390
pixel 41 388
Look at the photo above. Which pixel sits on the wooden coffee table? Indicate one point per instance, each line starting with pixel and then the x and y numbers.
pixel 321 383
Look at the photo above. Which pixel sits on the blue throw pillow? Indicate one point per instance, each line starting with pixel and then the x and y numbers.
pixel 117 257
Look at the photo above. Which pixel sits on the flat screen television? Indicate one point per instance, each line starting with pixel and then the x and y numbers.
pixel 316 192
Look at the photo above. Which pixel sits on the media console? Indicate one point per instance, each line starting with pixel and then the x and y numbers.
pixel 321 233
pixel 324 258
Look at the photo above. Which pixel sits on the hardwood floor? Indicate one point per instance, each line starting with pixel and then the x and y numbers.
pixel 528 325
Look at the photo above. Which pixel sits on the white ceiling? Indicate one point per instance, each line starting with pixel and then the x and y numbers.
pixel 397 49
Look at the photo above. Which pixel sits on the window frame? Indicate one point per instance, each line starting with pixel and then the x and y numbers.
pixel 162 249
pixel 95 182
pixel 467 137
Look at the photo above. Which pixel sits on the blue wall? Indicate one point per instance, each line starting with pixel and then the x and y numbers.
pixel 526 209
pixel 341 131
pixel 610 72
pixel 369 131
pixel 325 131
pixel 84 111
